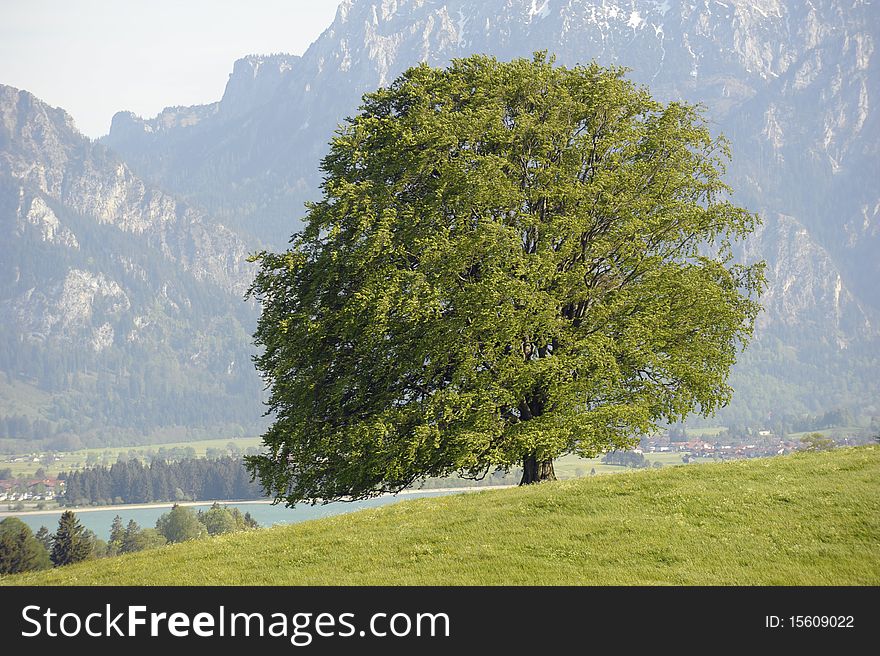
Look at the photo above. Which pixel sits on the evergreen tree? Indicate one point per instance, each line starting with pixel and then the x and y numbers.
pixel 117 534
pixel 69 545
pixel 129 540
pixel 45 538
pixel 98 548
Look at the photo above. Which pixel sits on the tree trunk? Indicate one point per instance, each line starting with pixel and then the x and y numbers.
pixel 535 471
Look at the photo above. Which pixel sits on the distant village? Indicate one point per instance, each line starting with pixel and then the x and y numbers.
pixel 746 444
pixel 31 489
pixel 765 444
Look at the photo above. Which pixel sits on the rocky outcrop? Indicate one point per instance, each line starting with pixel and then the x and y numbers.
pixel 44 154
pixel 807 294
pixel 38 216
pixel 120 306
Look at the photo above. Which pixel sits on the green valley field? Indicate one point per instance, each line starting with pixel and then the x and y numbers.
pixel 805 519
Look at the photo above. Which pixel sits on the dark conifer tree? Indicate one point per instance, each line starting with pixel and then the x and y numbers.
pixel 69 545
pixel 45 538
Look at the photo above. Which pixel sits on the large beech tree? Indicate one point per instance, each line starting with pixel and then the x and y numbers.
pixel 511 261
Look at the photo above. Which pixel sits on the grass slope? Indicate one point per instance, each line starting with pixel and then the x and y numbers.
pixel 806 519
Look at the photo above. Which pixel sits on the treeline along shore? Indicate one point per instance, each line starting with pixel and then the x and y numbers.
pixel 189 479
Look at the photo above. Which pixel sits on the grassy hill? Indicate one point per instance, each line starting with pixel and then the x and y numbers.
pixel 806 519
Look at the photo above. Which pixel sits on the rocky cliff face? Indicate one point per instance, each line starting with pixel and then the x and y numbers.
pixel 42 151
pixel 215 155
pixel 120 306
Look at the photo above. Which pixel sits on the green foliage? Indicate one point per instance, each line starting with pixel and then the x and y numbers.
pixel 69 544
pixel 250 522
pixel 511 261
pixel 180 524
pixel 45 538
pixel 807 519
pixel 129 481
pixel 149 538
pixel 137 539
pixel 117 535
pixel 20 551
pixel 218 520
pixel 817 442
pixel 625 459
pixel 98 548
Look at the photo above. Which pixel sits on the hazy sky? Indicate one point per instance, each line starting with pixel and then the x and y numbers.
pixel 96 57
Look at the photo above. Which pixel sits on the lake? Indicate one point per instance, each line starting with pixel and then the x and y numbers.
pixel 264 513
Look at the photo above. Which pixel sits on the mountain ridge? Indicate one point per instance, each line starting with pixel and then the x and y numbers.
pixel 189 192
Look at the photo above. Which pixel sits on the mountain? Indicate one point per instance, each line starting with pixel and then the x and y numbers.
pixel 220 156
pixel 121 313
pixel 123 262
pixel 794 87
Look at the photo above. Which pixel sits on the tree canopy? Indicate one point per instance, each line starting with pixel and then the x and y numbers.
pixel 20 551
pixel 511 261
pixel 180 524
